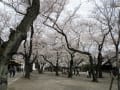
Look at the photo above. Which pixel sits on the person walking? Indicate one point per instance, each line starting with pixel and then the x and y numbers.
pixel 12 70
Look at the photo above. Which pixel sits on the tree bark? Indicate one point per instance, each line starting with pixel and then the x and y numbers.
pixel 3 76
pixel 14 42
pixel 57 68
pixel 111 83
pixel 99 65
pixel 70 73
pixel 27 69
pixel 37 66
pixel 28 65
pixel 118 67
pixel 41 69
pixel 94 78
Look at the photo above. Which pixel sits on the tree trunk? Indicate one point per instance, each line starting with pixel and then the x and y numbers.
pixel 111 83
pixel 28 65
pixel 70 72
pixel 27 69
pixel 42 67
pixel 94 78
pixel 118 80
pixel 3 76
pixel 57 68
pixel 14 42
pixel 118 66
pixel 38 67
pixel 56 71
pixel 99 65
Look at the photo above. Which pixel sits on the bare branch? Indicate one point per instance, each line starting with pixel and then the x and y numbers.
pixel 45 58
pixel 11 6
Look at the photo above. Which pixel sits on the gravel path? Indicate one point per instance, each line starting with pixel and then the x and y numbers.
pixel 49 81
pixel 13 79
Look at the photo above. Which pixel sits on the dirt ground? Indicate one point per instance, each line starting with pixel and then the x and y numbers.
pixel 48 81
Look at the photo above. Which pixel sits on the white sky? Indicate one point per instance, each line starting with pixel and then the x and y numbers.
pixel 85 9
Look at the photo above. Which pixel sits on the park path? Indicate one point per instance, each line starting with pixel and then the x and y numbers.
pixel 15 78
pixel 49 81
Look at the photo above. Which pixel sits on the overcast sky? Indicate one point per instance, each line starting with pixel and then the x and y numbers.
pixel 85 9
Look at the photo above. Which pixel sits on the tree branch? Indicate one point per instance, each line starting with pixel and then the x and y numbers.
pixel 11 6
pixel 44 57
